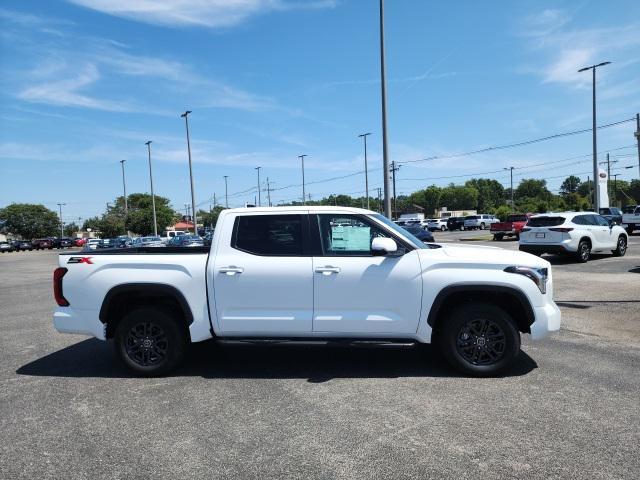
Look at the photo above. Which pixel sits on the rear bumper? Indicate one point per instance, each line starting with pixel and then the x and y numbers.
pixel 67 320
pixel 547 320
pixel 540 249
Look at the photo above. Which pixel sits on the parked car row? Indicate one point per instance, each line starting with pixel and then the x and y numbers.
pixel 47 243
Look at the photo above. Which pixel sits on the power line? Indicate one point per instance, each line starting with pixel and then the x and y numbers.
pixel 517 144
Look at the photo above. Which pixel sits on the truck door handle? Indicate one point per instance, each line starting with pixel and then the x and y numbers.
pixel 327 270
pixel 231 270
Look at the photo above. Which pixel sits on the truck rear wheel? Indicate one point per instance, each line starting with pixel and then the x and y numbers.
pixel 479 339
pixel 150 342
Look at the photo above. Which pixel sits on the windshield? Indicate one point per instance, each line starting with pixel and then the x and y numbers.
pixel 151 239
pixel 399 230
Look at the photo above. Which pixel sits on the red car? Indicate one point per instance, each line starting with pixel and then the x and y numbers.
pixel 79 242
pixel 511 227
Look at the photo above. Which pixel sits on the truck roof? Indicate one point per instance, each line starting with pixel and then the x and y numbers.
pixel 300 208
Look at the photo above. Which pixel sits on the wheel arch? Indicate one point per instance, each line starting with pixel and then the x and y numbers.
pixel 513 300
pixel 123 298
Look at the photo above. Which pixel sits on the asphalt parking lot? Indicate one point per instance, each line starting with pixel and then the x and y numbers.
pixel 568 409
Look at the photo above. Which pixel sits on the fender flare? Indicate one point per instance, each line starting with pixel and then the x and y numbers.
pixel 149 290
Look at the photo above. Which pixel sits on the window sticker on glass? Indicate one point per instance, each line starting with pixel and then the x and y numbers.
pixel 350 238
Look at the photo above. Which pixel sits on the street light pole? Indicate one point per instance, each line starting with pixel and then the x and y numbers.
pixel 301 157
pixel 193 198
pixel 226 191
pixel 259 199
pixel 366 171
pixel 153 197
pixel 383 91
pixel 511 170
pixel 61 222
pixel 637 135
pixel 124 189
pixel 596 195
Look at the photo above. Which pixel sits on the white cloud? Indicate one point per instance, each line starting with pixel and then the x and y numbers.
pixel 203 13
pixel 544 23
pixel 67 92
pixel 564 69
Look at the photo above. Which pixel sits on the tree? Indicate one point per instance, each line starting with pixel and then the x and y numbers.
pixel 570 185
pixel 532 188
pixel 490 193
pixel 428 199
pixel 502 212
pixel 634 190
pixel 29 220
pixel 457 197
pixel 210 218
pixel 70 229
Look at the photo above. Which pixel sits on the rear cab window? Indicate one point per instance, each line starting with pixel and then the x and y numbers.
pixel 269 235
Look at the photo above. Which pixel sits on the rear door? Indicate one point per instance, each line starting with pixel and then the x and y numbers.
pixel 262 275
pixel 603 233
pixel 356 292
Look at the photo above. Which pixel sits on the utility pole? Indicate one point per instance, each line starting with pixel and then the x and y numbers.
pixel 124 189
pixel 383 93
pixel 394 169
pixel 61 222
pixel 214 200
pixel 153 197
pixel 366 171
pixel 511 171
pixel 259 200
pixel 637 135
pixel 226 191
pixel 193 198
pixel 615 188
pixel 301 157
pixel 268 192
pixel 379 199
pixel 596 194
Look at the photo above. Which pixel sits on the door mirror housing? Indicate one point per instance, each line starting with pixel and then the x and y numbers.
pixel 383 246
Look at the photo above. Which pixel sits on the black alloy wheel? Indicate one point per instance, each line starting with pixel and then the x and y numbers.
pixel 481 342
pixel 478 339
pixel 151 341
pixel 146 344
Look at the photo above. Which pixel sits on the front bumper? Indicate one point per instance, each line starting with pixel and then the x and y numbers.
pixel 67 320
pixel 547 320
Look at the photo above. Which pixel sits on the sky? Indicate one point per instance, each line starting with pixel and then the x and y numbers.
pixel 85 83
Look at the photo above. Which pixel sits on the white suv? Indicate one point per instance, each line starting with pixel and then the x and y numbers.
pixel 483 221
pixel 575 233
pixel 437 224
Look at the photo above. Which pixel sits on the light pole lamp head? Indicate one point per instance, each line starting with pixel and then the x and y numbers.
pixel 147 143
pixel 593 66
pixel 364 134
pixel 122 161
pixel 184 115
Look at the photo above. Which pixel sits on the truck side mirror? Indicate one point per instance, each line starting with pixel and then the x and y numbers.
pixel 381 246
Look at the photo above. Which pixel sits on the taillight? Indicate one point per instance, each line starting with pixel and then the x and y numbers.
pixel 525 229
pixel 58 273
pixel 561 229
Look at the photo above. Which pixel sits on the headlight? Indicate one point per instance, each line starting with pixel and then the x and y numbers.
pixel 539 276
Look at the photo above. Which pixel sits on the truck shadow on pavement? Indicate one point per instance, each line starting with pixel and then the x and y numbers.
pixel 92 358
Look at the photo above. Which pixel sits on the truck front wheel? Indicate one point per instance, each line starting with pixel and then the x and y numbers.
pixel 479 339
pixel 150 342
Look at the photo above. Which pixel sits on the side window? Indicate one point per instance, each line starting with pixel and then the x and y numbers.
pixel 347 235
pixel 578 220
pixel 590 220
pixel 601 221
pixel 271 235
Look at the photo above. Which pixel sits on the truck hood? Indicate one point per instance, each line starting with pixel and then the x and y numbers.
pixel 479 255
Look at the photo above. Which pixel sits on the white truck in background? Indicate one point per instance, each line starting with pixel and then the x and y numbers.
pixel 631 219
pixel 312 274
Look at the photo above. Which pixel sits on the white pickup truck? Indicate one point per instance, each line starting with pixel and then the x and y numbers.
pixel 307 274
pixel 631 220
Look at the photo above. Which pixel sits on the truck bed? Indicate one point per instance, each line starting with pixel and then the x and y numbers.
pixel 141 251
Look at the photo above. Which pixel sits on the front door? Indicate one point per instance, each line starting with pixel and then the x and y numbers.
pixel 356 292
pixel 262 277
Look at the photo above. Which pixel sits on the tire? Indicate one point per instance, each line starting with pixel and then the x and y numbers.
pixel 479 339
pixel 621 247
pixel 499 237
pixel 443 228
pixel 584 251
pixel 482 226
pixel 150 342
pixel 462 228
